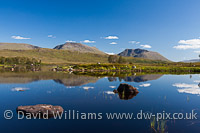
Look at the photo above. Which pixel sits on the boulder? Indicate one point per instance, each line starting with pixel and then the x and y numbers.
pixel 40 110
pixel 126 91
pixel 126 88
pixel 126 96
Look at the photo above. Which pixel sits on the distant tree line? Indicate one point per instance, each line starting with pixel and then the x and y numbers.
pixel 116 59
pixel 19 60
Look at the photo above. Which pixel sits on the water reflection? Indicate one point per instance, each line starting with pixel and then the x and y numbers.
pixel 94 94
pixel 145 85
pixel 142 78
pixel 76 80
pixel 109 92
pixel 19 89
pixel 126 96
pixel 159 126
pixel 111 79
pixel 88 87
pixel 187 88
pixel 69 79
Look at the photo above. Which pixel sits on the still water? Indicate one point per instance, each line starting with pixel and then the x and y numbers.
pixel 86 94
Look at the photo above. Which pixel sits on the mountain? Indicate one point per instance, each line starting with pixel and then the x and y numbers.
pixel 142 53
pixel 62 78
pixel 193 60
pixel 78 47
pixel 142 78
pixel 17 46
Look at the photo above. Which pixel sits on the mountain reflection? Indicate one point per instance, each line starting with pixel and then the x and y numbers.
pixel 76 80
pixel 66 78
pixel 140 78
pixel 62 78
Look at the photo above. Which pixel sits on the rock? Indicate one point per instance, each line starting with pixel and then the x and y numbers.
pixel 115 91
pixel 127 96
pixel 126 91
pixel 40 110
pixel 126 88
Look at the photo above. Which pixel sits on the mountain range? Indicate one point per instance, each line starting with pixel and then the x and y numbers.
pixel 76 49
pixel 192 61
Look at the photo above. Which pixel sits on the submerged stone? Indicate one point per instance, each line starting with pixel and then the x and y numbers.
pixel 40 110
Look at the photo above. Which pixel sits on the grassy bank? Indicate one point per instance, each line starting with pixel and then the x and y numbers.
pixel 170 68
pixel 52 56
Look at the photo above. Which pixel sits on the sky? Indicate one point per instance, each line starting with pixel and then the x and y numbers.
pixel 170 27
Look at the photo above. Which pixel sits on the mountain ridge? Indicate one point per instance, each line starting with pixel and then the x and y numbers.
pixel 17 46
pixel 142 53
pixel 192 61
pixel 78 47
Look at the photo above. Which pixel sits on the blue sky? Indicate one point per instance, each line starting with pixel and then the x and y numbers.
pixel 170 27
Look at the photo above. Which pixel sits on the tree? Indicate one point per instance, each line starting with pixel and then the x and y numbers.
pixel 112 59
pixel 199 56
pixel 121 60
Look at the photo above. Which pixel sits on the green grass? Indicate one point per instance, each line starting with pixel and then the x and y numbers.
pixel 169 68
pixel 51 56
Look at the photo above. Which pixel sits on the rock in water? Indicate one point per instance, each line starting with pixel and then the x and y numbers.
pixel 126 91
pixel 126 96
pixel 40 109
pixel 126 88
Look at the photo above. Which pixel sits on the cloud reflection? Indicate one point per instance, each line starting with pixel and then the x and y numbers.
pixel 87 87
pixel 145 85
pixel 19 89
pixel 109 92
pixel 187 88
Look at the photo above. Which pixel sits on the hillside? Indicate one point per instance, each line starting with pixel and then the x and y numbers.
pixel 141 53
pixel 69 53
pixel 78 47
pixel 53 56
pixel 17 46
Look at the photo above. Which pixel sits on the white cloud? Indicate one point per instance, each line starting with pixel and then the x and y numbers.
pixel 111 37
pixel 198 52
pixel 51 36
pixel 19 37
pixel 109 92
pixel 188 44
pixel 88 41
pixel 137 43
pixel 112 87
pixel 19 89
pixel 87 87
pixel 69 87
pixel 187 88
pixel 133 42
pixel 145 46
pixel 113 43
pixel 110 53
pixel 145 85
pixel 70 41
